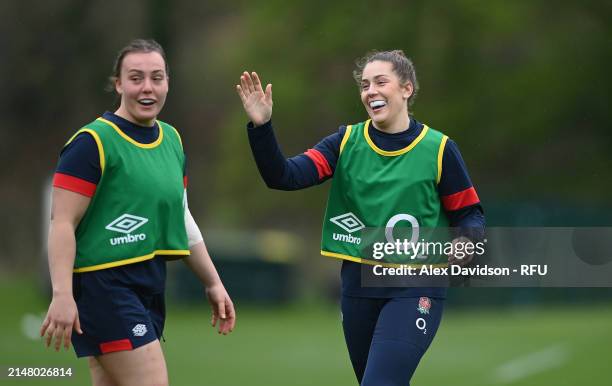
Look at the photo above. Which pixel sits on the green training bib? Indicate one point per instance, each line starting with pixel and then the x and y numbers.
pixel 137 211
pixel 380 196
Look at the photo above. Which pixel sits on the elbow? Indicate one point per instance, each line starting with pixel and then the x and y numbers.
pixel 275 185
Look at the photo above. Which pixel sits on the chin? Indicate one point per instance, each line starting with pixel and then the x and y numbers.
pixel 147 117
pixel 378 120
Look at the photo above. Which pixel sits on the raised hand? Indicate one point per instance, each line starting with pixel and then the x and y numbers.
pixel 256 102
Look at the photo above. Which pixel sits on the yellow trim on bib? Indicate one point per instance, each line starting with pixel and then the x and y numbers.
pixel 440 155
pixel 96 138
pixel 395 152
pixel 130 140
pixel 133 260
pixel 371 262
pixel 347 134
pixel 176 131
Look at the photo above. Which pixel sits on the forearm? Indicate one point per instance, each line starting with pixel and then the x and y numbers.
pixel 201 264
pixel 468 222
pixel 278 172
pixel 61 255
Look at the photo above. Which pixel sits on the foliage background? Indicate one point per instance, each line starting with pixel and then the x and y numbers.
pixel 523 87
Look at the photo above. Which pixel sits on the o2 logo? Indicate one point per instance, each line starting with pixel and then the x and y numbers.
pixel 421 324
pixel 414 224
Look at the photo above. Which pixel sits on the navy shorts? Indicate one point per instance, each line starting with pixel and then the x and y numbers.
pixel 120 308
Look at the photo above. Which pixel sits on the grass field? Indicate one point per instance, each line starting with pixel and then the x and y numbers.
pixel 303 346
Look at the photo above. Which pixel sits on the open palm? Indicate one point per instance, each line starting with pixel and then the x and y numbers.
pixel 256 102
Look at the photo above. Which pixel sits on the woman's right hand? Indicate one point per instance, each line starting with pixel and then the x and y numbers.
pixel 61 319
pixel 256 102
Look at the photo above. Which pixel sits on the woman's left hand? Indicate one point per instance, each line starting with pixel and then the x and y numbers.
pixel 460 258
pixel 222 308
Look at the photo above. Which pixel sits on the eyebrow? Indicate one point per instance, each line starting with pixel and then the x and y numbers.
pixel 375 77
pixel 133 70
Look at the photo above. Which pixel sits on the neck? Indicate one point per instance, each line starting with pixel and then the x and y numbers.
pixel 121 112
pixel 398 125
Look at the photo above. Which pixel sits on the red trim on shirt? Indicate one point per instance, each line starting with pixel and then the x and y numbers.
pixel 320 162
pixel 460 199
pixel 74 184
pixel 116 345
pixel 185 180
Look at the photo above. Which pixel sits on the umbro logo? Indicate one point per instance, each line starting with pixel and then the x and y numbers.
pixel 348 221
pixel 126 223
pixel 139 330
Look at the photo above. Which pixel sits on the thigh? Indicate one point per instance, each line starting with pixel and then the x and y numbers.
pixel 405 329
pixel 359 317
pixel 99 377
pixel 143 366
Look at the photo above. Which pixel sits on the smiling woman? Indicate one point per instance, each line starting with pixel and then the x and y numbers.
pixel 123 172
pixel 141 79
pixel 387 167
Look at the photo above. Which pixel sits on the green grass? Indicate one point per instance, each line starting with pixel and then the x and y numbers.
pixel 303 345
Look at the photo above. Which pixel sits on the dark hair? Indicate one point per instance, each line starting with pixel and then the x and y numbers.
pixel 136 45
pixel 402 66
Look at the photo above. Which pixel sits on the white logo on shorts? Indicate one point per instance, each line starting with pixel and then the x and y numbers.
pixel 139 330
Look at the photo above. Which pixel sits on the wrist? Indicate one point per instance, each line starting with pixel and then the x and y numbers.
pixel 214 284
pixel 62 292
pixel 252 125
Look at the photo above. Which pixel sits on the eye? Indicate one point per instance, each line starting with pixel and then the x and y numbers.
pixel 364 86
pixel 135 78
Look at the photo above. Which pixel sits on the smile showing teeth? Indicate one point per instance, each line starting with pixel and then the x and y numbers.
pixel 377 104
pixel 146 102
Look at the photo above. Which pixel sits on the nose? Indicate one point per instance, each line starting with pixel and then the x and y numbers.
pixel 371 90
pixel 147 85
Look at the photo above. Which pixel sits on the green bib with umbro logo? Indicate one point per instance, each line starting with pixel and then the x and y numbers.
pixel 383 196
pixel 137 211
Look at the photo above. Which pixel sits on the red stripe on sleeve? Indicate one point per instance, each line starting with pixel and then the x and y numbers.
pixel 185 181
pixel 116 345
pixel 460 199
pixel 74 184
pixel 320 162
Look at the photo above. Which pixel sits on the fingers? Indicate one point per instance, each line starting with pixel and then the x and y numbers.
pixel 248 82
pixel 241 94
pixel 244 85
pixel 214 318
pixel 49 334
pixel 227 325
pixel 256 82
pixel 59 336
pixel 221 309
pixel 231 316
pixel 44 326
pixel 269 93
pixel 67 335
pixel 221 314
pixel 77 325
